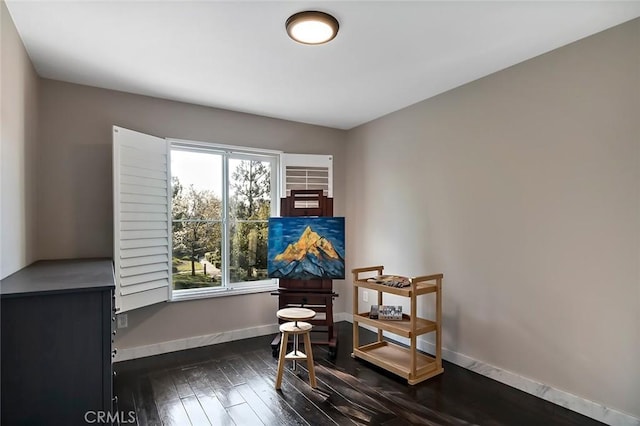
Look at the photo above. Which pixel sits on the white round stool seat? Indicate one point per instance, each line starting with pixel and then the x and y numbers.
pixel 295 314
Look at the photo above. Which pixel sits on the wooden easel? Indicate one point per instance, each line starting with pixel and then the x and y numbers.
pixel 313 294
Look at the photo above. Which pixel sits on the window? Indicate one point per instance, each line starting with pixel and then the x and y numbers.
pixel 220 205
pixel 190 219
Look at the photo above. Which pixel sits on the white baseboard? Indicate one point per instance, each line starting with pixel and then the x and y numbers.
pixel 343 316
pixel 206 340
pixel 194 342
pixel 556 396
pixel 559 397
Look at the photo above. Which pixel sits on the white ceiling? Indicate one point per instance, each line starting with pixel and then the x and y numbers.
pixel 236 54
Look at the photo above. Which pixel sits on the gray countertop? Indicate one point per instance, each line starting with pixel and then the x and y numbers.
pixel 45 276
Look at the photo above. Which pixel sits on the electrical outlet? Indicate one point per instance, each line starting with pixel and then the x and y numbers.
pixel 365 296
pixel 123 321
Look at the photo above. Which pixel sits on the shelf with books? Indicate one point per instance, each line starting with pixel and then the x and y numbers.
pixel 407 362
pixel 419 285
pixel 401 327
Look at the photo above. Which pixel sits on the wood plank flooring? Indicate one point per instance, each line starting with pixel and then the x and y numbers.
pixel 233 384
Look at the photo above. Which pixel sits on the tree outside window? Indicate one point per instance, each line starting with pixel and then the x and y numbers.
pixel 250 208
pixel 199 217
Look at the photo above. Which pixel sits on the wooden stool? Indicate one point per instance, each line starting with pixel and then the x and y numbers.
pixel 295 328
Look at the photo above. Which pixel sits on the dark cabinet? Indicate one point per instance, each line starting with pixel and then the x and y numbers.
pixel 56 335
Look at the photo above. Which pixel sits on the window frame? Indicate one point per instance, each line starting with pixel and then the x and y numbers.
pixel 227 152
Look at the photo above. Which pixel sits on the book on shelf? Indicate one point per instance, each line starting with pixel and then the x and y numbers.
pixel 386 312
pixel 373 314
pixel 391 280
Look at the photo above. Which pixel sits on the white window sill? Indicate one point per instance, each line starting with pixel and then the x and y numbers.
pixel 192 294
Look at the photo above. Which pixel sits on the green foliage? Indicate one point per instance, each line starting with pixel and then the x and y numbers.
pixel 251 188
pixel 251 208
pixel 181 265
pixel 182 277
pixel 197 227
pixel 185 281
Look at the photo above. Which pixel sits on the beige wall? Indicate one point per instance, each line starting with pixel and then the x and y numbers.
pixel 523 188
pixel 19 96
pixel 75 202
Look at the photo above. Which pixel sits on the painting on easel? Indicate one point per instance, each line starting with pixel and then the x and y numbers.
pixel 306 248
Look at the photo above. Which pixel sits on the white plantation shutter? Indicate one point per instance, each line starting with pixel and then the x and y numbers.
pixel 142 213
pixel 306 171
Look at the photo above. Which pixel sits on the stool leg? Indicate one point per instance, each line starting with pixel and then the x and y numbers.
pixel 307 348
pixel 295 351
pixel 283 354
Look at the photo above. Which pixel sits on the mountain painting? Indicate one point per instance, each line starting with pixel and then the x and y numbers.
pixel 306 248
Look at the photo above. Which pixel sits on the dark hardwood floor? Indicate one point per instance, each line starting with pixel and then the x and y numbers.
pixel 233 383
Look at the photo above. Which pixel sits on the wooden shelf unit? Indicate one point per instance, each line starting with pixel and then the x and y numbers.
pixel 405 362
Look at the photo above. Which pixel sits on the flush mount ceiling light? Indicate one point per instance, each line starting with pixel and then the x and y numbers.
pixel 312 27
